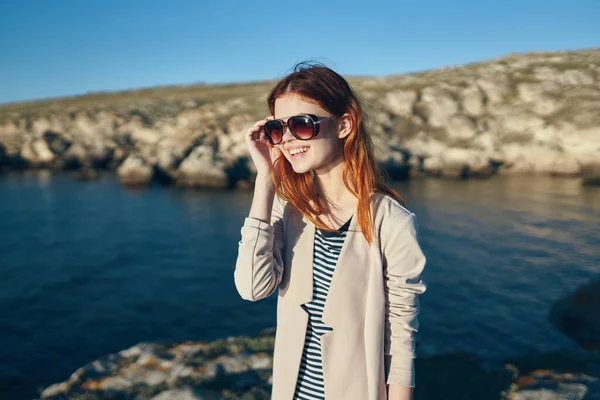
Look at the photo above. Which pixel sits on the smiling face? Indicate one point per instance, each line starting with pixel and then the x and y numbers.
pixel 318 153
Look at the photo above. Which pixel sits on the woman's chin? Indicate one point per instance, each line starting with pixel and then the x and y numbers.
pixel 300 167
pixel 301 170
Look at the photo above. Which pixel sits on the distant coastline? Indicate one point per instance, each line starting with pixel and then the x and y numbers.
pixel 524 113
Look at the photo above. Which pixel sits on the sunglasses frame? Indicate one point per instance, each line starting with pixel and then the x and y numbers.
pixel 315 120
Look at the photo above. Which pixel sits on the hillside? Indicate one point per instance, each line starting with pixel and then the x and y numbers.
pixel 534 112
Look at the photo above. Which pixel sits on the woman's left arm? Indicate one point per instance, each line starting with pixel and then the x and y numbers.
pixel 404 263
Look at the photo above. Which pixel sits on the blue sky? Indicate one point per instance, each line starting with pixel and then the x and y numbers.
pixel 65 47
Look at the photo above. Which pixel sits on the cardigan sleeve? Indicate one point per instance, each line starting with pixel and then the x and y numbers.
pixel 403 266
pixel 259 264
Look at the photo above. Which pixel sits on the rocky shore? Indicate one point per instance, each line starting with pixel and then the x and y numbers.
pixel 523 113
pixel 240 368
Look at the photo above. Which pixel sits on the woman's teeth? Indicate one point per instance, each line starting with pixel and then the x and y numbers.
pixel 298 151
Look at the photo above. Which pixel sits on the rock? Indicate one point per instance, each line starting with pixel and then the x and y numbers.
pixel 119 155
pixel 75 157
pixel 574 77
pixel 100 154
pixel 564 165
pixel 41 125
pixel 461 128
pixel 396 172
pixel 517 122
pixel 171 151
pixel 202 169
pixel 458 163
pixel 494 91
pixel 436 106
pixel 113 383
pixel 37 153
pixel 590 173
pixel 11 141
pixel 135 172
pixel 55 390
pixel 546 106
pixel 394 163
pixel 93 155
pixel 530 92
pixel 559 391
pixel 189 118
pixel 232 145
pixel 540 97
pixel 484 143
pixel 166 166
pixel 455 163
pixel 423 145
pixel 240 171
pixel 185 393
pixel 400 102
pixel 139 132
pixel 472 101
pixel 576 315
pixel 235 366
pixel 544 73
pixel 433 166
pixel 56 142
pixel 559 375
pixel 521 158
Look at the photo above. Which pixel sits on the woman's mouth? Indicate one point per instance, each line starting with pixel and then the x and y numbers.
pixel 298 152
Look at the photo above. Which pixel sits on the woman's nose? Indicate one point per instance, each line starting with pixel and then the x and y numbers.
pixel 287 134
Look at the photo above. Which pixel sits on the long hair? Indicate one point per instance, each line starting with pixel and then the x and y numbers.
pixel 361 174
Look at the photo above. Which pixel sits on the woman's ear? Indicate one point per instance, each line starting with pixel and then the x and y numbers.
pixel 345 125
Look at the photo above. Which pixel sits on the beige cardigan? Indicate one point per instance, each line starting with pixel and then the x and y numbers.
pixel 372 304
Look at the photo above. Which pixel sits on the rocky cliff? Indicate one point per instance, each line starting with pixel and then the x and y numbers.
pixel 534 112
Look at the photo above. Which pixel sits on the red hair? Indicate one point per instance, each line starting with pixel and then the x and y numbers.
pixel 361 174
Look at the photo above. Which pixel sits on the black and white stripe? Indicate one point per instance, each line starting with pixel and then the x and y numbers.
pixel 327 248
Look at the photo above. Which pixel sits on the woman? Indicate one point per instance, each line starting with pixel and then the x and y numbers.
pixel 337 243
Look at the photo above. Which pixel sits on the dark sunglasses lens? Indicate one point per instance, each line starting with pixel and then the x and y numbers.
pixel 302 126
pixel 274 131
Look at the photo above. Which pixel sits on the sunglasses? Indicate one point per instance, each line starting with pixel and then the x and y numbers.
pixel 302 127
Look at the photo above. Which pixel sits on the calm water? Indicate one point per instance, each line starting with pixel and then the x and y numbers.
pixel 90 268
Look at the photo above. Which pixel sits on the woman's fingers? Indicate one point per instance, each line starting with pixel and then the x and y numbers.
pixel 258 125
pixel 255 133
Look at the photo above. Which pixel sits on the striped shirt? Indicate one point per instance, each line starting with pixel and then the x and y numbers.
pixel 327 248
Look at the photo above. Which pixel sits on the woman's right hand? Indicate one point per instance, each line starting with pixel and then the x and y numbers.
pixel 262 152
